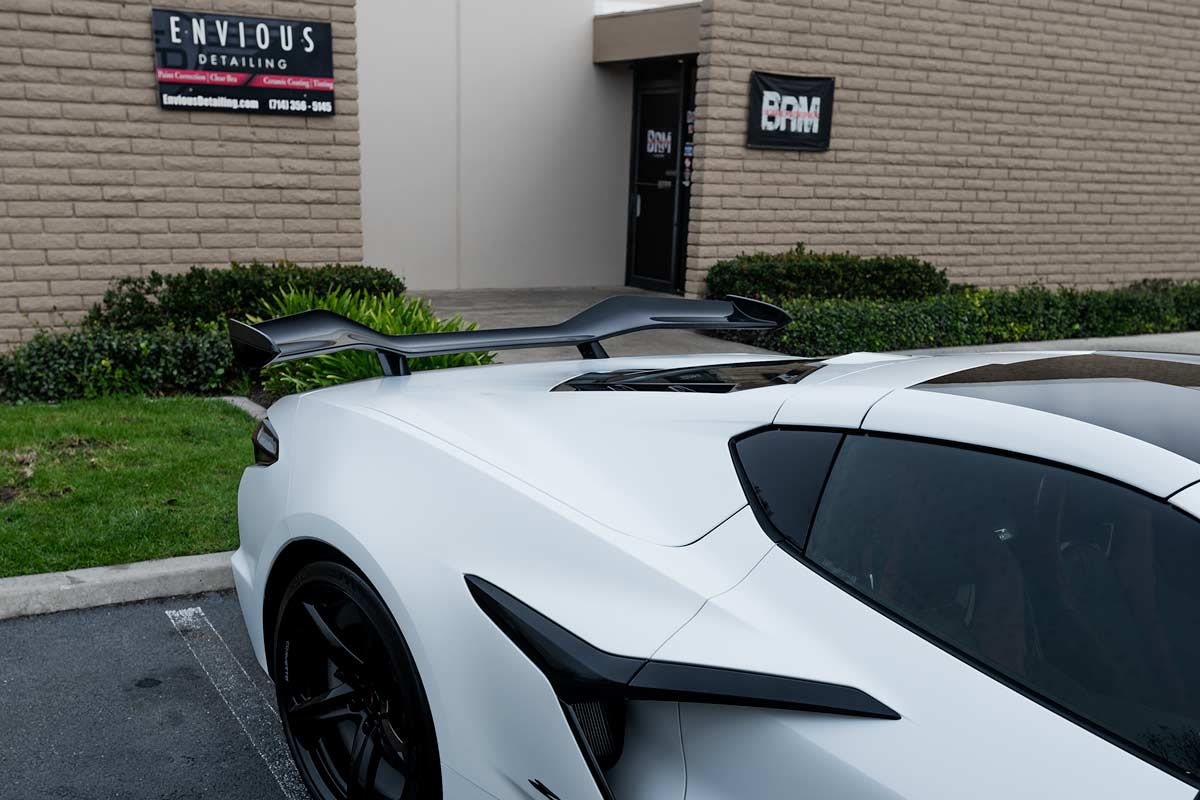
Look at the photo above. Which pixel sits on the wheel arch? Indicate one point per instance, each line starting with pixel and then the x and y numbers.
pixel 291 559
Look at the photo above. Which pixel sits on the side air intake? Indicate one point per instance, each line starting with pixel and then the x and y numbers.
pixel 593 686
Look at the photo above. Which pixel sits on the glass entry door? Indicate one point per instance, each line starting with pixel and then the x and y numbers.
pixel 662 146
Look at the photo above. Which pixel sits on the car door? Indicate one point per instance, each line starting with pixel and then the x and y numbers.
pixel 1034 627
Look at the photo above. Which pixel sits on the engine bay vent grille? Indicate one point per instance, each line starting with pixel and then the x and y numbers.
pixel 711 379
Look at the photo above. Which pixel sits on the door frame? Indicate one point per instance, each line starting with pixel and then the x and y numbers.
pixel 684 83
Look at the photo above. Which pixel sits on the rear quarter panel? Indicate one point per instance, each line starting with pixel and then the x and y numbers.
pixel 416 513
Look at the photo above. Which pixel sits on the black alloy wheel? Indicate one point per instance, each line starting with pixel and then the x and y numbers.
pixel 353 708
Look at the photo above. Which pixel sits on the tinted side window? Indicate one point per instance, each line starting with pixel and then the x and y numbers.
pixel 784 471
pixel 1082 591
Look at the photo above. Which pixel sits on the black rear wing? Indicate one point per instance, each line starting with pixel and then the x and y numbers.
pixel 313 333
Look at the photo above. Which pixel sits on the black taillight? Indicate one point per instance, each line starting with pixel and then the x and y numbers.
pixel 266 444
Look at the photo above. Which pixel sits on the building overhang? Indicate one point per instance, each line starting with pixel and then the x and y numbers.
pixel 651 33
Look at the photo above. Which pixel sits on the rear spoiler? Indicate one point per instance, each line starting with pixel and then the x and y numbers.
pixel 312 333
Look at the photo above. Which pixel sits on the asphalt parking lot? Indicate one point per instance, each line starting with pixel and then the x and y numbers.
pixel 161 699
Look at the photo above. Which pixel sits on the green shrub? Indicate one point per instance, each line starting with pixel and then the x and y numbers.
pixel 831 327
pixel 386 313
pixel 205 295
pixel 799 272
pixel 96 361
pixel 974 317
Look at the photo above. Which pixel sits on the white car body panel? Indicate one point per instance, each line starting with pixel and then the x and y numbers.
pixel 620 516
pixel 1188 499
pixel 656 766
pixel 503 528
pixel 895 373
pixel 829 405
pixel 785 619
pixel 618 487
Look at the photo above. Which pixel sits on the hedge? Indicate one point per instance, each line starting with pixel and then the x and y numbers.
pixel 800 272
pixel 98 361
pixel 387 313
pixel 972 317
pixel 166 334
pixel 205 295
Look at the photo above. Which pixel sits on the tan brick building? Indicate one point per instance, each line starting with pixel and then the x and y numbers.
pixel 97 181
pixel 1009 141
pixel 513 143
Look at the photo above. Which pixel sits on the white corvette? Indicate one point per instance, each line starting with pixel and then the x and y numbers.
pixel 964 576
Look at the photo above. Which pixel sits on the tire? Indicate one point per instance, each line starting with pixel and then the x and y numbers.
pixel 354 711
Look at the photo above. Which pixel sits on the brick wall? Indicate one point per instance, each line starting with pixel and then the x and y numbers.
pixel 96 181
pixel 1010 141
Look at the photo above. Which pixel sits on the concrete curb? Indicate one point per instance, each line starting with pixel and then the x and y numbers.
pixel 28 595
pixel 246 404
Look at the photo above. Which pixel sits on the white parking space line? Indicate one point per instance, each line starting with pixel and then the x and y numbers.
pixel 258 719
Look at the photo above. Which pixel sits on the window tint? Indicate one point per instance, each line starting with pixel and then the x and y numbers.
pixel 785 470
pixel 1080 590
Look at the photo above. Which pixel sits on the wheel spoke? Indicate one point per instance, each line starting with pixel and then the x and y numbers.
pixel 330 706
pixel 395 746
pixel 377 666
pixel 351 706
pixel 339 653
pixel 365 755
pixel 400 751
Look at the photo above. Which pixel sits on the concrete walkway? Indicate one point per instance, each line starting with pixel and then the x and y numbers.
pixel 506 308
pixel 502 308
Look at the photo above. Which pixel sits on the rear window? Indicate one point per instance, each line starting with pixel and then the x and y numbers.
pixel 1080 591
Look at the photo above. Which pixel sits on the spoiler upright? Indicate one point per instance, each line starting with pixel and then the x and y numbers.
pixel 312 333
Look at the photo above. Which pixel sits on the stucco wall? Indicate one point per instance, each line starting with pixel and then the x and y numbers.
pixel 495 154
pixel 1010 141
pixel 97 181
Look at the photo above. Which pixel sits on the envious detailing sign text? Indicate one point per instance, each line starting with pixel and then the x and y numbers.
pixel 789 113
pixel 218 62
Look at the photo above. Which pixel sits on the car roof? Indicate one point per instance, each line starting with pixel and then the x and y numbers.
pixel 1152 399
pixel 1129 416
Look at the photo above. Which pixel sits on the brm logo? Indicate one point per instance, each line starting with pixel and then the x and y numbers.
pixel 789 112
pixel 783 112
pixel 658 143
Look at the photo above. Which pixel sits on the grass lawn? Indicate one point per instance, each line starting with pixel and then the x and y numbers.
pixel 118 479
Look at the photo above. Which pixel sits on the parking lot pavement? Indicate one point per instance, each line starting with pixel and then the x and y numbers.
pixel 161 699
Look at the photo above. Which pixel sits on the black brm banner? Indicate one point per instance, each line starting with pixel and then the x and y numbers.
pixel 789 113
pixel 218 62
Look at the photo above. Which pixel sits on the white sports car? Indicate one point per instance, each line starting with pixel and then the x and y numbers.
pixel 871 576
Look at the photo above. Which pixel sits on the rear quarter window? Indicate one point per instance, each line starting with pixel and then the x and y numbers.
pixel 783 471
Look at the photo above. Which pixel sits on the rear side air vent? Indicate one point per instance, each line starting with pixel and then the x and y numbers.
pixel 602 723
pixel 712 379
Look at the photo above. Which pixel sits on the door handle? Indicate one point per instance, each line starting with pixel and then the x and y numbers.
pixel 637 205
